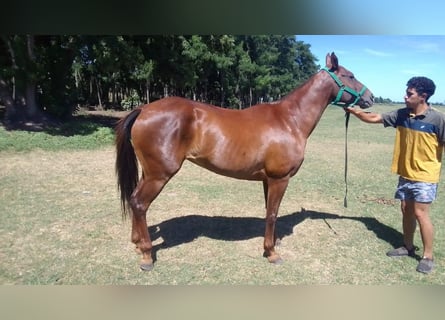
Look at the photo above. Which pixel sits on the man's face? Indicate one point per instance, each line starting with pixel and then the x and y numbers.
pixel 412 98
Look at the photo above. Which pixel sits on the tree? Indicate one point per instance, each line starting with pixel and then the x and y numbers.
pixel 144 73
pixel 197 57
pixel 57 73
pixel 278 64
pixel 222 59
pixel 58 84
pixel 20 72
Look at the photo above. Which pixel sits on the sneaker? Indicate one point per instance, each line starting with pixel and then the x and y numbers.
pixel 401 252
pixel 425 265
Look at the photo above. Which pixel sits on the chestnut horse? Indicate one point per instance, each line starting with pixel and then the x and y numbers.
pixel 265 142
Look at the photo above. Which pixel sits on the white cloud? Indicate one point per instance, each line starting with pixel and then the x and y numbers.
pixel 424 46
pixel 378 53
pixel 428 47
pixel 411 72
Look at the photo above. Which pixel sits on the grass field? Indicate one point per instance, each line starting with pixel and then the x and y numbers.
pixel 61 220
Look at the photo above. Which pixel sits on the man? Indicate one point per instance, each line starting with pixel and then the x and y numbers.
pixel 419 143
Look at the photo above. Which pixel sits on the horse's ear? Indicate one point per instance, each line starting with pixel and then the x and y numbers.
pixel 332 61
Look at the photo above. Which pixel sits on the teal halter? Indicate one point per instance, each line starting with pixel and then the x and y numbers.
pixel 343 88
pixel 337 102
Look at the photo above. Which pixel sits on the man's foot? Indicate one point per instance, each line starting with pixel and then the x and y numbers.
pixel 425 265
pixel 402 252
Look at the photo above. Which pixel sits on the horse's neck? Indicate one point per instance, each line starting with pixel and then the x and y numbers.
pixel 308 102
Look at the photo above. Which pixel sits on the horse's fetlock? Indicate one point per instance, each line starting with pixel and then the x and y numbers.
pixel 144 246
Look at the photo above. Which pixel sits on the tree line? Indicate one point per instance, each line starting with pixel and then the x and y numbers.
pixel 55 74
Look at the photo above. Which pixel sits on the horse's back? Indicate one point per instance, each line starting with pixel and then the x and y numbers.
pixel 176 104
pixel 202 117
pixel 184 105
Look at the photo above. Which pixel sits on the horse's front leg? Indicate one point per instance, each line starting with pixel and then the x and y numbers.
pixel 276 189
pixel 265 189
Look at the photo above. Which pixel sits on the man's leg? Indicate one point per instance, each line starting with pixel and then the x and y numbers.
pixel 421 212
pixel 408 222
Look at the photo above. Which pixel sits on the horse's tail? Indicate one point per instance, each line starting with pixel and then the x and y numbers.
pixel 127 171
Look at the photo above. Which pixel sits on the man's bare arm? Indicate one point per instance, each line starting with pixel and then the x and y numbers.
pixel 368 117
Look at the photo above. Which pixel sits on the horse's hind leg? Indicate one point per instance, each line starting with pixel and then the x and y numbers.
pixel 276 189
pixel 146 191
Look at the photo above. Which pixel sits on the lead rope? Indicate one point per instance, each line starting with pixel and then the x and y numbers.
pixel 345 200
pixel 337 102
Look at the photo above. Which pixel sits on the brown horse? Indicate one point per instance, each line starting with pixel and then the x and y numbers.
pixel 265 142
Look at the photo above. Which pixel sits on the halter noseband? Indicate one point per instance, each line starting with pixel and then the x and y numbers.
pixel 343 88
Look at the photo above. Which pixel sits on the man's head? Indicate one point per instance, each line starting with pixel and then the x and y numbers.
pixel 424 87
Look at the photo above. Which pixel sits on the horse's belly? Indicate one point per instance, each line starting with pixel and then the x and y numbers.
pixel 231 168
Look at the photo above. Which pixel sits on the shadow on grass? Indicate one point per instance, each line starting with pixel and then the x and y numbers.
pixel 80 124
pixel 180 230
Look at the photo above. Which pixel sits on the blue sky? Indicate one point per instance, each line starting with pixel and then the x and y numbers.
pixel 412 17
pixel 384 63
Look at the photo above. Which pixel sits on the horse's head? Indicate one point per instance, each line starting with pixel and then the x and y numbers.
pixel 349 91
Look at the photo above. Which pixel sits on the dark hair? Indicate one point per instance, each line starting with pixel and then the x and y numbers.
pixel 422 85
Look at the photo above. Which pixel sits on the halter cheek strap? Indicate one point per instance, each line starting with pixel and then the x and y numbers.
pixel 343 88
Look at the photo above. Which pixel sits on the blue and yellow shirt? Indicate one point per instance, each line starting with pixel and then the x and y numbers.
pixel 419 143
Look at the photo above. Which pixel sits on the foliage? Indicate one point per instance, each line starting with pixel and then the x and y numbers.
pixel 131 101
pixel 120 71
pixel 382 100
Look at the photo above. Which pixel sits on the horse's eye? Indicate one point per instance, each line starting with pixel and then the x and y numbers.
pixel 350 76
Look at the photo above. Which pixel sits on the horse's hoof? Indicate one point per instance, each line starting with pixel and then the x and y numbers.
pixel 275 259
pixel 146 266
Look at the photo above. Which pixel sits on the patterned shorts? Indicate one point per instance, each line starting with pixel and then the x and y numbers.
pixel 414 190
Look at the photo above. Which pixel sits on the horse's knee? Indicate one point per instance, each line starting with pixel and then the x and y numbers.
pixel 271 218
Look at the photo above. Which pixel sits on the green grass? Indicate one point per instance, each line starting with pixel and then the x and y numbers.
pixel 73 135
pixel 61 221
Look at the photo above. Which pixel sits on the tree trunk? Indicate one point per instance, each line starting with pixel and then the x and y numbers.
pixel 6 95
pixel 8 101
pixel 91 87
pixel 32 110
pixel 98 93
pixel 147 91
pixel 20 99
pixel 222 88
